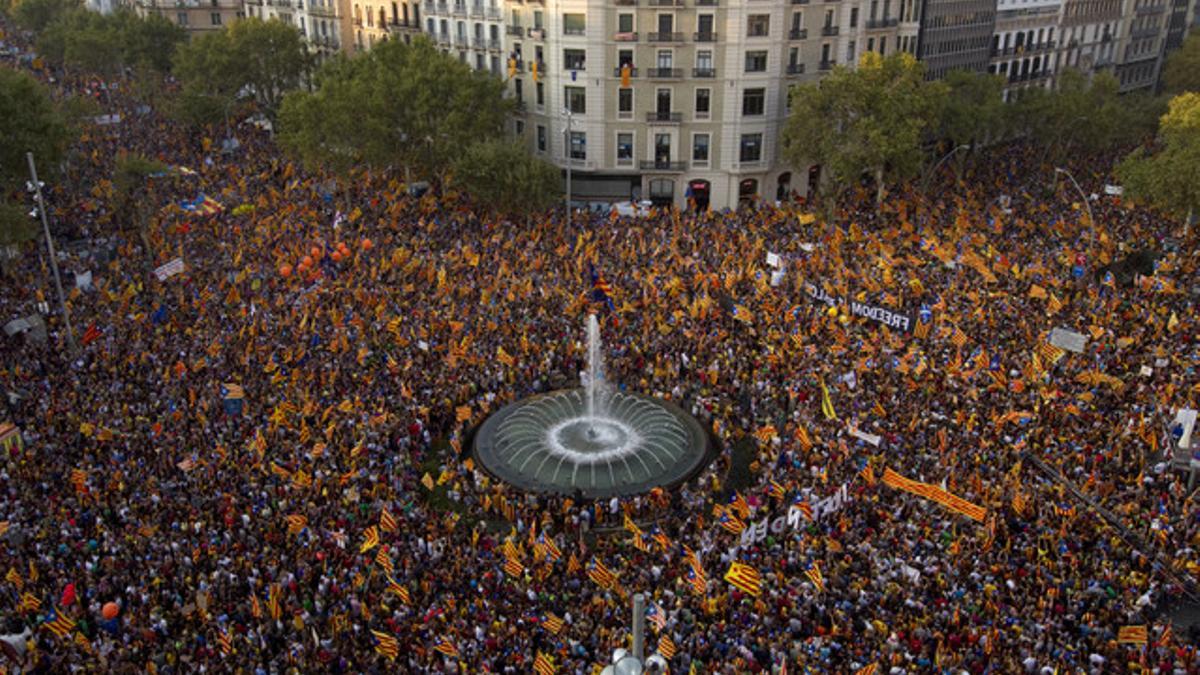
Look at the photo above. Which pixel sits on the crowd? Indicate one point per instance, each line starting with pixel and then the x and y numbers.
pixel 260 459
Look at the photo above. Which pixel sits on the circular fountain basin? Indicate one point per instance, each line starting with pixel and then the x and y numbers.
pixel 548 443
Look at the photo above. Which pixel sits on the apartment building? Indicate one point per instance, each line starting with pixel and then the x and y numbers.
pixel 956 35
pixel 1024 43
pixel 472 30
pixel 366 22
pixel 196 16
pixel 317 20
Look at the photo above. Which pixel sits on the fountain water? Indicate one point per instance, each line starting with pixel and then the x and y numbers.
pixel 596 442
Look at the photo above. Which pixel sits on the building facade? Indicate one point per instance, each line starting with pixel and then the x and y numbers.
pixel 366 22
pixel 196 16
pixel 956 35
pixel 1023 45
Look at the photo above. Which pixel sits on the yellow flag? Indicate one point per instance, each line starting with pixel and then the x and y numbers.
pixel 427 481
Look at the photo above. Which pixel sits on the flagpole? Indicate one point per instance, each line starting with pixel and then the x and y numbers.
pixel 36 186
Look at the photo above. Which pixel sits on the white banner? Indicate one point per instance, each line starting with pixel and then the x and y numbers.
pixel 793 520
pixel 1068 340
pixel 164 272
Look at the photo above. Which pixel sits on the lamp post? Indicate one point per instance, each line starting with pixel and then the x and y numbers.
pixel 1082 195
pixel 35 186
pixel 933 170
pixel 631 662
pixel 567 145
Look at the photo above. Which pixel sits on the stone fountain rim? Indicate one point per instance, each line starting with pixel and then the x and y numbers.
pixel 698 435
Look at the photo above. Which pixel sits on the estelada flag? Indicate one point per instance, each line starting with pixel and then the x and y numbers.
pixel 745 578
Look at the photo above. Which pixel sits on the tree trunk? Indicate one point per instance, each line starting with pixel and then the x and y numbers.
pixel 878 187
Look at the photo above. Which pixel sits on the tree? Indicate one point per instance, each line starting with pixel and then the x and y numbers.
pixel 1168 174
pixel 1182 72
pixel 870 120
pixel 131 199
pixel 149 41
pixel 1079 114
pixel 972 110
pixel 35 15
pixel 16 227
pixel 501 174
pixel 399 104
pixel 29 122
pixel 265 58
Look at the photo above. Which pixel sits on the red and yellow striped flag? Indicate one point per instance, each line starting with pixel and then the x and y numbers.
pixel 745 578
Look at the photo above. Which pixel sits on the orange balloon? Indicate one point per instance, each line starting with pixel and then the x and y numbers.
pixel 316 252
pixel 343 248
pixel 366 244
pixel 110 610
pixel 336 255
pixel 285 271
pixel 306 261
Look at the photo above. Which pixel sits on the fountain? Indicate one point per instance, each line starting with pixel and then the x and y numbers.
pixel 593 441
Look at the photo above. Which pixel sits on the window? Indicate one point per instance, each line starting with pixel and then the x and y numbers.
pixel 854 17
pixel 624 102
pixel 756 62
pixel 216 18
pixel 797 21
pixel 883 45
pixel 576 98
pixel 825 53
pixel 539 91
pixel 574 24
pixel 704 60
pixel 624 23
pixel 829 19
pixel 516 18
pixel 751 150
pixel 665 59
pixel 541 138
pixel 578 145
pixel 481 63
pixel 574 59
pixel 758 25
pixel 754 101
pixel 625 58
pixel 870 44
pixel 496 66
pixel 518 91
pixel 700 148
pixel 624 148
pixel 666 23
pixel 520 127
pixel 537 19
pixel 704 24
pixel 850 56
pixel 703 101
pixel 430 27
pixel 181 18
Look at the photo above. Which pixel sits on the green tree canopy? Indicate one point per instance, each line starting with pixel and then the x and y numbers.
pixel 502 175
pixel 1182 72
pixel 104 43
pixel 1081 113
pixel 265 58
pixel 869 120
pixel 406 105
pixel 973 108
pixel 1168 174
pixel 29 122
pixel 35 15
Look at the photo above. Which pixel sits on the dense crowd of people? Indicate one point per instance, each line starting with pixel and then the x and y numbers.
pixel 221 453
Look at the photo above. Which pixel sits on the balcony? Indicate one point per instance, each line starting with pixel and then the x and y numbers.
pixel 476 11
pixel 706 3
pixel 875 24
pixel 664 117
pixel 574 31
pixel 1150 9
pixel 665 73
pixel 665 37
pixel 626 3
pixel 704 72
pixel 795 69
pixel 479 43
pixel 625 37
pixel 826 65
pixel 579 66
pixel 704 37
pixel 493 45
pixel 519 66
pixel 537 33
pixel 459 11
pixel 829 31
pixel 444 39
pixel 461 41
pixel 633 72
pixel 1145 32
pixel 662 165
pixel 329 11
pixel 798 34
pixel 800 2
pixel 666 3
pixel 515 31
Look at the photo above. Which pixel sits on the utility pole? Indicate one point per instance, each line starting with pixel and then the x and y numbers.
pixel 1082 195
pixel 62 300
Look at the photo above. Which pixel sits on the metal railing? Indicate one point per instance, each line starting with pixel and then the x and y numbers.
pixel 704 72
pixel 664 73
pixel 536 33
pixel 795 69
pixel 662 165
pixel 665 37
pixel 798 34
pixel 826 65
pixel 829 31
pixel 672 117
pixel 625 37
pixel 704 37
pixel 633 72
pixel 515 31
pixel 872 24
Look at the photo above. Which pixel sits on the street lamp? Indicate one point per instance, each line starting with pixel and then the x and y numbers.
pixel 35 186
pixel 933 170
pixel 631 662
pixel 567 144
pixel 1082 195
